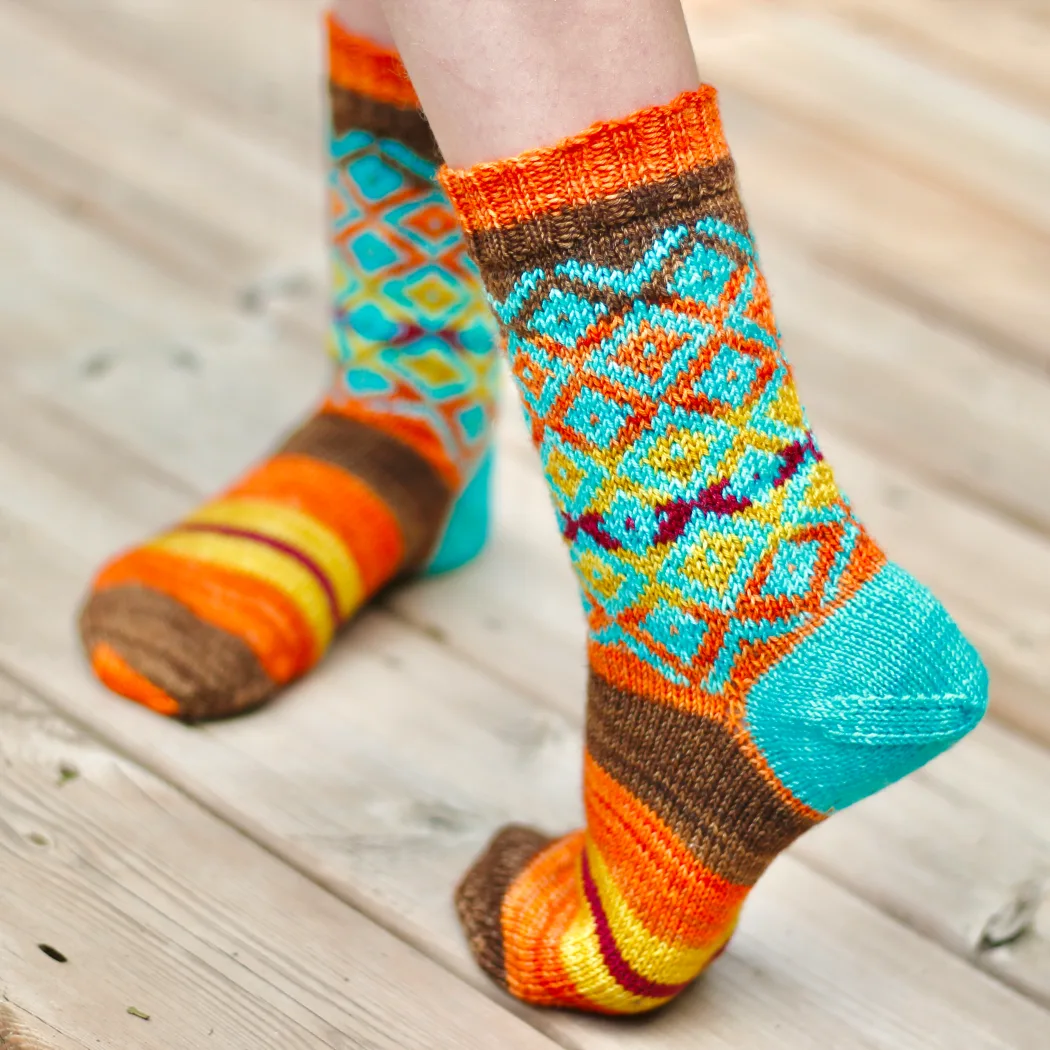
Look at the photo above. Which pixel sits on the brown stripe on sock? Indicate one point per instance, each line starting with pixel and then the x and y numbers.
pixel 412 489
pixel 614 231
pixel 351 110
pixel 479 897
pixel 691 773
pixel 210 672
pixel 616 303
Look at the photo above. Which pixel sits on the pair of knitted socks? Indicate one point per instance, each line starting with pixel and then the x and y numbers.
pixel 756 662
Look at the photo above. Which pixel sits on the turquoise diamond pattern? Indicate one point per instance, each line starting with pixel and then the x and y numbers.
pixel 411 324
pixel 706 497
pixel 595 417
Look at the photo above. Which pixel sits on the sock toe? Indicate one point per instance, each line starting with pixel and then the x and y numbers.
pixel 479 897
pixel 150 648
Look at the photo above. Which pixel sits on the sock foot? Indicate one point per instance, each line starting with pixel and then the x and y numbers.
pixel 479 895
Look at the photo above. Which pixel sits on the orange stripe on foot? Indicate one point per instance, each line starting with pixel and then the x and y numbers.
pixel 115 673
pixel 538 908
pixel 267 621
pixel 677 898
pixel 345 504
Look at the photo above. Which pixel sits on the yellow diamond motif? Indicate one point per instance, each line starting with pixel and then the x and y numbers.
pixel 601 580
pixel 565 474
pixel 430 294
pixel 714 560
pixel 677 454
pixel 434 368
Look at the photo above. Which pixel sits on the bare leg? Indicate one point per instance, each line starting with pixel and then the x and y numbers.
pixel 500 76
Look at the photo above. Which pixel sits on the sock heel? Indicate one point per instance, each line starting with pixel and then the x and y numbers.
pixel 467 530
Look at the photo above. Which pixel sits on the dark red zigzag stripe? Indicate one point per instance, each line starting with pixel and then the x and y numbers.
pixel 676 514
pixel 304 560
pixel 626 976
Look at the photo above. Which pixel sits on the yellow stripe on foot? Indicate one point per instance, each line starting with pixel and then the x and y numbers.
pixel 301 531
pixel 264 563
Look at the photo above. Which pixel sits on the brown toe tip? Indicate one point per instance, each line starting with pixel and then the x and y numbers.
pixel 479 897
pixel 152 649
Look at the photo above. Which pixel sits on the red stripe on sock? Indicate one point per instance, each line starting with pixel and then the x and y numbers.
pixel 618 966
pixel 278 545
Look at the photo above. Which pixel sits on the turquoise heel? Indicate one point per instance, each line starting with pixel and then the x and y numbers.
pixel 468 526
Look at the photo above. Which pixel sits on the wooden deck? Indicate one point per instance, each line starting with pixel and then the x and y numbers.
pixel 283 880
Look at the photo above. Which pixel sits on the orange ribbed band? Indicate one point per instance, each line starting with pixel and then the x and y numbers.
pixel 652 145
pixel 360 65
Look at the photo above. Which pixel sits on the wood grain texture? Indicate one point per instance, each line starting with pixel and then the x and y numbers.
pixel 458 707
pixel 148 904
pixel 387 815
pixel 383 773
pixel 174 179
pixel 1001 45
pixel 825 74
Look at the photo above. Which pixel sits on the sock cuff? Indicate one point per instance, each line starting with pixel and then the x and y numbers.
pixel 358 64
pixel 369 90
pixel 626 161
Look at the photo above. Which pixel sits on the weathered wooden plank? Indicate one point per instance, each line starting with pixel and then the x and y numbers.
pixel 155 171
pixel 259 60
pixel 906 240
pixel 913 391
pixel 126 329
pixel 1001 45
pixel 912 239
pixel 147 902
pixel 825 74
pixel 386 809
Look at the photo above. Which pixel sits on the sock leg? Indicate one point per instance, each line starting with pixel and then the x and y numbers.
pixel 389 477
pixel 756 662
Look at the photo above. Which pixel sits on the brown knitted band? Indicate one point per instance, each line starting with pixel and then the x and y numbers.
pixel 479 895
pixel 406 482
pixel 352 109
pixel 692 774
pixel 211 672
pixel 604 231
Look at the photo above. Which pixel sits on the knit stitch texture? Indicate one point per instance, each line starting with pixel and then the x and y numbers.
pixel 756 663
pixel 390 477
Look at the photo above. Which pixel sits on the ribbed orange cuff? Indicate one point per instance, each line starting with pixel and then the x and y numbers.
pixel 358 64
pixel 651 145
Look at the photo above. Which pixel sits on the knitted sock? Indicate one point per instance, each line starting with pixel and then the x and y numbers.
pixel 388 478
pixel 756 663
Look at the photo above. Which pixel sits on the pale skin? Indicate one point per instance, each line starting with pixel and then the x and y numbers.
pixel 498 77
